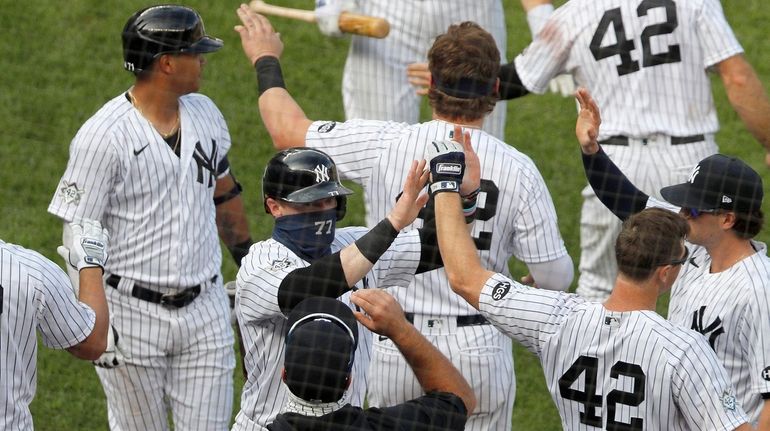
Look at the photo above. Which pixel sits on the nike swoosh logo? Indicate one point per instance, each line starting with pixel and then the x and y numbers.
pixel 139 151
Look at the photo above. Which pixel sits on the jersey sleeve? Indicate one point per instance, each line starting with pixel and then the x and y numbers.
pixel 396 267
pixel 756 330
pixel 92 171
pixel 63 321
pixel 525 314
pixel 702 390
pixel 716 37
pixel 355 145
pixel 259 278
pixel 548 53
pixel 433 411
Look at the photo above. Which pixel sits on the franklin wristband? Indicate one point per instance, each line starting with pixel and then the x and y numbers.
pixel 269 74
pixel 377 241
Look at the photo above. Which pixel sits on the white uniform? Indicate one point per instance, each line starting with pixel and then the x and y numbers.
pixel 644 62
pixel 515 217
pixel 374 83
pixel 35 294
pixel 160 212
pixel 263 325
pixel 731 309
pixel 615 370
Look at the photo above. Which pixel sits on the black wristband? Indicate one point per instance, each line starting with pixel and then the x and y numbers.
pixel 239 251
pixel 377 241
pixel 269 74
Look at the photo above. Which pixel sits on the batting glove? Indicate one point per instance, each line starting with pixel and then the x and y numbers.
pixel 327 15
pixel 89 246
pixel 230 288
pixel 112 356
pixel 447 166
pixel 563 84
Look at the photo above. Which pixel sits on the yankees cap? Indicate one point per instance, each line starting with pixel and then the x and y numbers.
pixel 321 341
pixel 718 182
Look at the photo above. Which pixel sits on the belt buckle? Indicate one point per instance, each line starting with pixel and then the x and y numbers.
pixel 177 300
pixel 168 300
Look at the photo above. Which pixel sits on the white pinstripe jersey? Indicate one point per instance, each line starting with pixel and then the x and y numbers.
pixel 614 370
pixel 644 61
pixel 732 310
pixel 158 207
pixel 515 216
pixel 35 294
pixel 263 325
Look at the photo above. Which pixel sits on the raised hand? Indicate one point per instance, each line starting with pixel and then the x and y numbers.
pixel 380 312
pixel 588 121
pixel 419 76
pixel 88 248
pixel 258 37
pixel 411 200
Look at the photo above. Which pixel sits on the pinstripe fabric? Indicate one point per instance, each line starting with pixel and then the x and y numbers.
pixel 515 208
pixel 667 95
pixel 160 212
pixel 374 83
pixel 731 310
pixel 36 297
pixel 263 325
pixel 677 382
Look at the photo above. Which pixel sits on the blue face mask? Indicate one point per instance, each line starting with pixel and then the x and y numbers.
pixel 308 235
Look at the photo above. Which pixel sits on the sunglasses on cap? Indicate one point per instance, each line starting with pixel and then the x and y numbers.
pixel 695 213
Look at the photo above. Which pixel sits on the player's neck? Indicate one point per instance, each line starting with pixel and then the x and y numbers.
pixel 628 295
pixel 472 124
pixel 160 107
pixel 729 251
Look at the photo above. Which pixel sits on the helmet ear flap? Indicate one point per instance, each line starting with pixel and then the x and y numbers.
pixel 342 207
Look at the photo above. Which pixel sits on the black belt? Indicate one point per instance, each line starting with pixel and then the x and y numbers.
pixel 472 320
pixel 177 300
pixel 675 140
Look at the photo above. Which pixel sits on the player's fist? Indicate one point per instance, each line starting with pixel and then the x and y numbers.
pixel 327 15
pixel 112 356
pixel 563 84
pixel 447 165
pixel 88 247
pixel 230 289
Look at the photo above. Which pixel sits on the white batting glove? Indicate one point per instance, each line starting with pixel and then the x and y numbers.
pixel 327 15
pixel 88 247
pixel 230 288
pixel 563 84
pixel 112 356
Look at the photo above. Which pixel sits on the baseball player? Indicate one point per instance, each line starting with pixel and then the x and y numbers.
pixel 36 296
pixel 307 256
pixel 645 62
pixel 723 291
pixel 616 365
pixel 322 336
pixel 513 210
pixel 152 165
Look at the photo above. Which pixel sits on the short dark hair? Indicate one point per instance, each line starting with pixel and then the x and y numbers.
pixel 649 239
pixel 466 51
pixel 748 224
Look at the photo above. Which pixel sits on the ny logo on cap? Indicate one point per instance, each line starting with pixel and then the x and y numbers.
pixel 694 174
pixel 321 173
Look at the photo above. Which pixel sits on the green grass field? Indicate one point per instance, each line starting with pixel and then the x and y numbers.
pixel 62 61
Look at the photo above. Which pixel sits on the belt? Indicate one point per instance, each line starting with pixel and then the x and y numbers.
pixel 177 300
pixel 675 140
pixel 472 320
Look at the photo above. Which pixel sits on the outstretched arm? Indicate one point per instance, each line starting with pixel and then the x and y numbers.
pixel 284 119
pixel 748 97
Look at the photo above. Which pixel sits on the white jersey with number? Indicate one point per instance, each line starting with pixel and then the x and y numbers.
pixel 615 370
pixel 35 296
pixel 732 310
pixel 643 61
pixel 515 216
pixel 263 324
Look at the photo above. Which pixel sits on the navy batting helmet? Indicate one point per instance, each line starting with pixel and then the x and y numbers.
pixel 163 29
pixel 303 175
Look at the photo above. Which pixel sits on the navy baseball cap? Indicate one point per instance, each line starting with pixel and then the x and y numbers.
pixel 718 182
pixel 321 340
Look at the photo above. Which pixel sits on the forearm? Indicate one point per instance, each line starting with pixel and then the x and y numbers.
pixel 433 370
pixel 461 261
pixel 748 97
pixel 612 188
pixel 763 424
pixel 284 119
pixel 92 294
pixel 510 83
pixel 232 225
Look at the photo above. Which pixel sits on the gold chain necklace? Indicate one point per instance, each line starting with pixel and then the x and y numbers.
pixel 164 135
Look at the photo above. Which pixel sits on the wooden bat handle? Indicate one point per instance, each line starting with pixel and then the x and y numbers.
pixel 362 25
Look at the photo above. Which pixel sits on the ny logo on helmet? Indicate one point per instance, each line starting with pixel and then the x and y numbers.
pixel 321 173
pixel 694 174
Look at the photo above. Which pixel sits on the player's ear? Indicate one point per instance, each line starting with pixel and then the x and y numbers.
pixel 273 207
pixel 726 220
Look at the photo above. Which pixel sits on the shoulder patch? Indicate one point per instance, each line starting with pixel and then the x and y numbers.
pixel 280 264
pixel 500 290
pixel 728 400
pixel 70 193
pixel 327 127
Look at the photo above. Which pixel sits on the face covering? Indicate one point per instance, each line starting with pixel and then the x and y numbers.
pixel 308 235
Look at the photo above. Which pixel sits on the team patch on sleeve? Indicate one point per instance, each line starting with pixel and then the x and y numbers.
pixel 500 290
pixel 728 400
pixel 280 264
pixel 327 127
pixel 71 193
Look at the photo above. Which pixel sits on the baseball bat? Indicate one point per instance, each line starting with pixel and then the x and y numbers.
pixel 362 25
